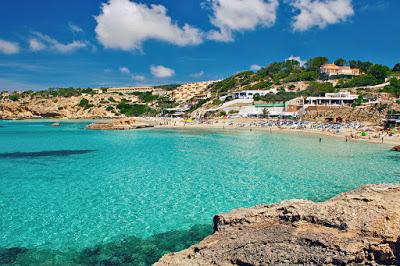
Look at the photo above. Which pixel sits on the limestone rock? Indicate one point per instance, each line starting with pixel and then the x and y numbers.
pixel 396 148
pixel 358 227
pixel 119 124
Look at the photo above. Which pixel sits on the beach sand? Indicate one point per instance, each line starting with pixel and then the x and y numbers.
pixel 374 133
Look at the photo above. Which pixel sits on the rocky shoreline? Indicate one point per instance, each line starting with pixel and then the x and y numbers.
pixel 120 124
pixel 357 227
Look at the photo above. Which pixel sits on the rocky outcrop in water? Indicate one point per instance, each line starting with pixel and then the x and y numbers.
pixel 358 227
pixel 119 124
pixel 396 148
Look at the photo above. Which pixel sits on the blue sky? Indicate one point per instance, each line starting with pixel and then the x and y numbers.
pixel 51 43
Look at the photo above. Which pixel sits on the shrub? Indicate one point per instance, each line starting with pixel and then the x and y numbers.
pixel 134 109
pixel 364 80
pixel 358 102
pixel 84 103
pixel 222 113
pixel 146 97
pixel 393 87
pixel 14 97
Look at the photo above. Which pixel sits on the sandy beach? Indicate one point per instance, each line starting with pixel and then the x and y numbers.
pixel 347 132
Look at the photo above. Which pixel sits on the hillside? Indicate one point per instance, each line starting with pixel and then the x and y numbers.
pixel 286 80
pixel 76 103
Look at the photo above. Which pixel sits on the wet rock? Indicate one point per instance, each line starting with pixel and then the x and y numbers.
pixel 396 148
pixel 358 227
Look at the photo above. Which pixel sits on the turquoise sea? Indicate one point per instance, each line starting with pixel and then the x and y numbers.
pixel 71 196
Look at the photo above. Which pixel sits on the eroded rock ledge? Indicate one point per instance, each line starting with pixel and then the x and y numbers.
pixel 358 227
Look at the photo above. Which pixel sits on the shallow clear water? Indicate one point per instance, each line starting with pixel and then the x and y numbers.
pixel 67 188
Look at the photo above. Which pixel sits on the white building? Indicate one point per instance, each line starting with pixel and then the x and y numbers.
pixel 126 89
pixel 249 94
pixel 332 99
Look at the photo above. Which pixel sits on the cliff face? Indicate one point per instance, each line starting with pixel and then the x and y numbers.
pixel 358 227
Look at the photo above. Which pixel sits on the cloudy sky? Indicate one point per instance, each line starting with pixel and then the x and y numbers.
pixel 102 43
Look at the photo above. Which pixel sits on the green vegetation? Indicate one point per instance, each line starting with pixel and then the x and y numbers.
pixel 224 86
pixel 221 114
pixel 198 105
pixel 396 68
pixel 146 97
pixel 275 73
pixel 85 104
pixel 111 100
pixel 231 112
pixel 315 63
pixel 363 66
pixel 14 97
pixel 340 62
pixel 379 72
pixel 63 92
pixel 135 109
pixel 374 74
pixel 364 80
pixel 359 101
pixel 261 85
pixel 109 108
pixel 393 87
pixel 168 87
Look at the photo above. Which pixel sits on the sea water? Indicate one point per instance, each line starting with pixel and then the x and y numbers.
pixel 74 196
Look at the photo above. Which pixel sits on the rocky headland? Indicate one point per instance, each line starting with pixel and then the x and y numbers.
pixel 119 124
pixel 358 227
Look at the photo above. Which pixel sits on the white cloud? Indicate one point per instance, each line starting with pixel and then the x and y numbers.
pixel 255 67
pixel 74 28
pixel 124 70
pixel 298 59
pixel 240 15
pixel 125 25
pixel 35 45
pixel 162 71
pixel 138 77
pixel 9 47
pixel 43 41
pixel 320 13
pixel 197 74
pixel 135 77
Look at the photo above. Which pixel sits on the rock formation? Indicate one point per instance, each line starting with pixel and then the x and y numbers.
pixel 358 227
pixel 396 148
pixel 119 124
pixel 371 114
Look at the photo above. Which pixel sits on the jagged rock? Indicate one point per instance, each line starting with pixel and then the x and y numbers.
pixel 358 227
pixel 396 148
